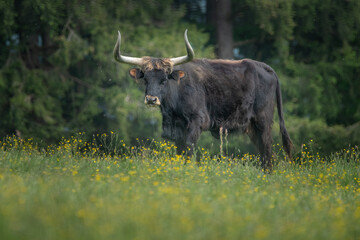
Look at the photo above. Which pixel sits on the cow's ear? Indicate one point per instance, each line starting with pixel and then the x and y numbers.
pixel 136 73
pixel 177 75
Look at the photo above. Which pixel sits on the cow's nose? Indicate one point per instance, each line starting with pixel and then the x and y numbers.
pixel 152 100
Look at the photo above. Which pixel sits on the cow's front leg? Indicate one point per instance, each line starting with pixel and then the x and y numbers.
pixel 166 129
pixel 186 149
pixel 192 136
pixel 186 141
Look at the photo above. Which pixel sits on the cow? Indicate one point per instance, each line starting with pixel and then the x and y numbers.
pixel 196 95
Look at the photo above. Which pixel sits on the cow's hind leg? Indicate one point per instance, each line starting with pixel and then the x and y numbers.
pixel 260 134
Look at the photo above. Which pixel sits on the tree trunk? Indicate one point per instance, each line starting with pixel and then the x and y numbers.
pixel 219 14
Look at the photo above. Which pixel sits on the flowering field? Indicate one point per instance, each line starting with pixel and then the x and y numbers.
pixel 81 190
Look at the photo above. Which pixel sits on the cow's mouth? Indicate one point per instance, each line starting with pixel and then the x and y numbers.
pixel 152 100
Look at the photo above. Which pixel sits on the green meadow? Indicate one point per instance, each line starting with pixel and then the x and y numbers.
pixel 91 190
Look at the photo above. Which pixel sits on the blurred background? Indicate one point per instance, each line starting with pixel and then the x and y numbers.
pixel 58 76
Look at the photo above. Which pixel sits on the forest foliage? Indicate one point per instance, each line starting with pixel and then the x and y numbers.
pixel 58 75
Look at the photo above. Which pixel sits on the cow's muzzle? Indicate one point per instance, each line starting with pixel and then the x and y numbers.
pixel 152 100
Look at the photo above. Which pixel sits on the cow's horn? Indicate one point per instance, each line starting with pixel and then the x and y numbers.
pixel 123 59
pixel 190 53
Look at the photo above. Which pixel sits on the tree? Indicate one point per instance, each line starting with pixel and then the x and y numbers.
pixel 58 75
pixel 220 15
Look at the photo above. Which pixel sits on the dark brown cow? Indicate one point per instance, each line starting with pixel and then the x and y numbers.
pixel 196 95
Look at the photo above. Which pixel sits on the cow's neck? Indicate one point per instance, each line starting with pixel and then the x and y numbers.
pixel 171 100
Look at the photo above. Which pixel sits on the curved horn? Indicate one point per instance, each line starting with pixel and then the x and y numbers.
pixel 123 59
pixel 190 53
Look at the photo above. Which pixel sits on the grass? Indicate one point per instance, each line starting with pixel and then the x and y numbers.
pixel 75 191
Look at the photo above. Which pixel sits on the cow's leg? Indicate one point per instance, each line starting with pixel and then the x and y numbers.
pixel 187 135
pixel 184 148
pixel 265 148
pixel 180 146
pixel 260 134
pixel 193 135
pixel 186 142
pixel 179 136
pixel 253 133
pixel 167 128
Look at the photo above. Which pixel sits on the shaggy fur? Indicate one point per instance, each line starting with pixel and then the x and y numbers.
pixel 150 64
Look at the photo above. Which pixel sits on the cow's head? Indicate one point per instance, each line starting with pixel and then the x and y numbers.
pixel 156 72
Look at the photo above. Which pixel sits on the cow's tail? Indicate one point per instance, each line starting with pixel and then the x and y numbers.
pixel 287 144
